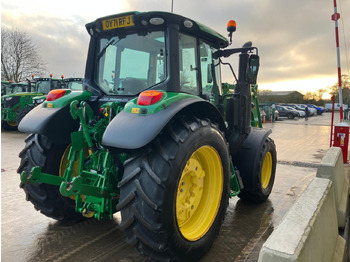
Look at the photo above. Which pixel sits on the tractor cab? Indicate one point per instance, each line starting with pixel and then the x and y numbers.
pixel 5 87
pixel 74 84
pixel 45 85
pixel 18 88
pixel 133 52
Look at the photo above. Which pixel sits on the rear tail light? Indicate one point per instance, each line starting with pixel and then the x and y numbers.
pixel 55 94
pixel 149 97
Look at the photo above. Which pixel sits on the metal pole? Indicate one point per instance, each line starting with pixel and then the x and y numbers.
pixel 172 6
pixel 335 18
pixel 330 141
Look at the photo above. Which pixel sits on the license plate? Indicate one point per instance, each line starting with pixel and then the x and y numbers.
pixel 118 22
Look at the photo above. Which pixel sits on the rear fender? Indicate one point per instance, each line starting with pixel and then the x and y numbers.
pixel 55 123
pixel 53 119
pixel 133 131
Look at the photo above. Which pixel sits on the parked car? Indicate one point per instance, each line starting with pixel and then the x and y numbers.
pixel 285 112
pixel 312 111
pixel 336 106
pixel 297 108
pixel 301 112
pixel 319 109
pixel 324 109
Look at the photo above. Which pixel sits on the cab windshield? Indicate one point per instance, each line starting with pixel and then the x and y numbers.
pixel 18 88
pixel 43 86
pixel 75 86
pixel 131 64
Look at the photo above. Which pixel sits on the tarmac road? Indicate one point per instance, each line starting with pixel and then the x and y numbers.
pixel 27 235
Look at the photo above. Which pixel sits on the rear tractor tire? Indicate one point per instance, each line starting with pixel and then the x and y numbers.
pixel 174 194
pixel 40 151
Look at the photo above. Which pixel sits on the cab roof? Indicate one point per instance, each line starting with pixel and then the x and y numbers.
pixel 73 79
pixel 128 22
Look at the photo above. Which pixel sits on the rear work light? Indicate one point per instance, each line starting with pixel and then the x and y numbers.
pixel 55 94
pixel 149 97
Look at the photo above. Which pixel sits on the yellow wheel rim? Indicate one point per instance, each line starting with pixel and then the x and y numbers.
pixel 266 170
pixel 199 193
pixel 10 123
pixel 64 162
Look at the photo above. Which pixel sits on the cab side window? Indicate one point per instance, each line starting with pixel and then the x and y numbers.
pixel 188 64
pixel 210 74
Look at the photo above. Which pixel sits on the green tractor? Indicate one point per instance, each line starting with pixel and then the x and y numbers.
pixel 48 84
pixel 153 135
pixel 16 104
pixel 44 85
pixel 23 97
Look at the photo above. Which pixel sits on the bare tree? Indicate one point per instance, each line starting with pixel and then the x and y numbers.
pixel 19 56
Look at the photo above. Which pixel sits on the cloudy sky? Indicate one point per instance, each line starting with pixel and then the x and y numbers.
pixel 296 38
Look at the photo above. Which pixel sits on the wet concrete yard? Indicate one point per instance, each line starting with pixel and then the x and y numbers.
pixel 26 235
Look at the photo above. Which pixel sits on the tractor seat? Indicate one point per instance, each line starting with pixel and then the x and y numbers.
pixel 133 85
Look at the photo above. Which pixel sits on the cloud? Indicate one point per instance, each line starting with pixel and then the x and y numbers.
pixel 62 42
pixel 295 38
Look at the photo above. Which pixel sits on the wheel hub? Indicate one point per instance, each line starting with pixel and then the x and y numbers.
pixel 189 191
pixel 199 193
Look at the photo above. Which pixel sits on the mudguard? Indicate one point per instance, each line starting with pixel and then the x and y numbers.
pixel 132 131
pixel 55 123
pixel 247 156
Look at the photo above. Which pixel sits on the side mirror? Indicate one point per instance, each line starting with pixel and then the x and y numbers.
pixel 253 69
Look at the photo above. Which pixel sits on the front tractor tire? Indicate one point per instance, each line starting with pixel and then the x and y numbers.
pixel 22 114
pixel 174 194
pixel 256 163
pixel 40 151
pixel 8 125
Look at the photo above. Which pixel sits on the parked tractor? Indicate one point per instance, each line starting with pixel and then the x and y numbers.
pixel 153 135
pixel 23 97
pixel 44 85
pixel 16 104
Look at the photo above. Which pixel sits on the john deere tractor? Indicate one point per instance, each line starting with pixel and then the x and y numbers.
pixel 22 98
pixel 153 135
pixel 44 85
pixel 16 104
